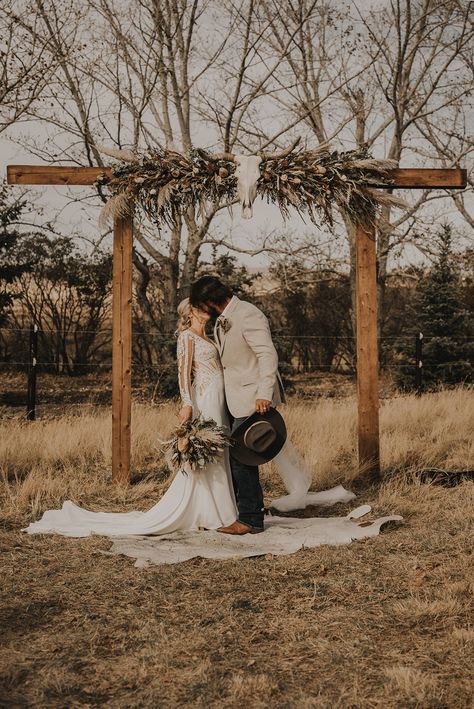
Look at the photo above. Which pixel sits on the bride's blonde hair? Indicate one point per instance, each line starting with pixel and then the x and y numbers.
pixel 185 315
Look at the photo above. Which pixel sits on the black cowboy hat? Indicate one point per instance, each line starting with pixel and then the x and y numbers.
pixel 259 438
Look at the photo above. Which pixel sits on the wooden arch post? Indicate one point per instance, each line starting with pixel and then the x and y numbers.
pixel 366 314
pixel 367 350
pixel 121 305
pixel 366 296
pixel 122 349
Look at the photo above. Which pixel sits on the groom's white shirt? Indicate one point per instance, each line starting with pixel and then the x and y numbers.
pixel 249 358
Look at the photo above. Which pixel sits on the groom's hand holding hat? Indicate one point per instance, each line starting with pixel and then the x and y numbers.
pixel 262 405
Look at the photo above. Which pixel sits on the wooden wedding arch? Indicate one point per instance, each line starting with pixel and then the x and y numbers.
pixel 366 311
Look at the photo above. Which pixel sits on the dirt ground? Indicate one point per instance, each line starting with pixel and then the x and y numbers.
pixel 384 622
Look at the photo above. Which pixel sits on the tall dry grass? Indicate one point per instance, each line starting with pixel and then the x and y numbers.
pixel 44 462
pixel 384 622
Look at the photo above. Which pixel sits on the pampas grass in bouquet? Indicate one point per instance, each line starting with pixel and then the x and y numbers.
pixel 195 443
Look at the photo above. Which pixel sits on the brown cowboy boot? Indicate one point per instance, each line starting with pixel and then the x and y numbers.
pixel 238 527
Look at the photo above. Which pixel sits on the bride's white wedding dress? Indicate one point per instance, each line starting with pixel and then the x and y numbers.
pixel 205 499
pixel 201 499
pixel 194 499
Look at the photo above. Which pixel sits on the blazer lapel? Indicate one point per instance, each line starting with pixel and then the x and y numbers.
pixel 229 312
pixel 216 337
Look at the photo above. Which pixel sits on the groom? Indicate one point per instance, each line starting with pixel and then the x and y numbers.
pixel 252 383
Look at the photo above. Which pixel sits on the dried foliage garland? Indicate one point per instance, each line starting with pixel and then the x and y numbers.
pixel 165 183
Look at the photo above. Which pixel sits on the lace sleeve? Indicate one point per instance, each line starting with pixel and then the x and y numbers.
pixel 185 354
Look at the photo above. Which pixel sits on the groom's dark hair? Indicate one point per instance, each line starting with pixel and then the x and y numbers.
pixel 209 289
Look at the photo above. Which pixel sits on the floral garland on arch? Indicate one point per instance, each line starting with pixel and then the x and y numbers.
pixel 165 183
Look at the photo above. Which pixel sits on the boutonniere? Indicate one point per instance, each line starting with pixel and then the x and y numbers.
pixel 223 323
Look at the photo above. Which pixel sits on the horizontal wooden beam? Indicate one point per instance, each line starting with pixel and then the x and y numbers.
pixel 429 177
pixel 404 177
pixel 54 175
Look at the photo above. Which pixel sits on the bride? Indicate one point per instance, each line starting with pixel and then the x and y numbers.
pixel 194 500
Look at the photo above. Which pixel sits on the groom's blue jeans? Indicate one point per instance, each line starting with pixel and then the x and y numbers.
pixel 247 488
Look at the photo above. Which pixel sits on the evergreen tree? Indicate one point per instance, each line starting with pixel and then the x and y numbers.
pixel 10 266
pixel 446 324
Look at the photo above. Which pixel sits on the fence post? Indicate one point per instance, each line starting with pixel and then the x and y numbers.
pixel 32 365
pixel 419 363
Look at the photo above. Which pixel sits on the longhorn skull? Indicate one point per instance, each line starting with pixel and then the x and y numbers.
pixel 247 171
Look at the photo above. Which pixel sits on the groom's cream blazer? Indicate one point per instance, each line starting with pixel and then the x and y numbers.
pixel 248 357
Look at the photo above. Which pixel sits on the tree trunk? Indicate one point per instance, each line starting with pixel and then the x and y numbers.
pixel 351 237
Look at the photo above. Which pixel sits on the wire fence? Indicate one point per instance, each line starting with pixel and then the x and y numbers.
pixel 37 361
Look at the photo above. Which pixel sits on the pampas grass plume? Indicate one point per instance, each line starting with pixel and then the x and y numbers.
pixel 120 205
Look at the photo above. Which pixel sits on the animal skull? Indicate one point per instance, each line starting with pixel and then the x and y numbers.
pixel 247 171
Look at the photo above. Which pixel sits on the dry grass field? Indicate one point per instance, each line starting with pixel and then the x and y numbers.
pixel 384 622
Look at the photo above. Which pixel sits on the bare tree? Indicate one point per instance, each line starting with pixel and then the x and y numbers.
pixel 244 74
pixel 25 66
pixel 449 132
pixel 377 80
pixel 150 73
pixel 418 73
